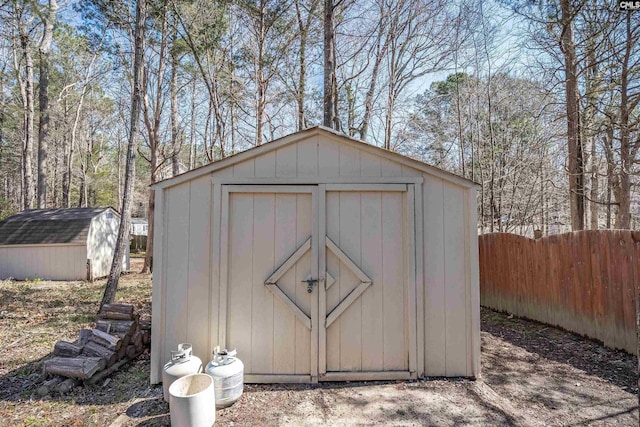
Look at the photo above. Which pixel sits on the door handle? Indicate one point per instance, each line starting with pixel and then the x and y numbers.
pixel 310 282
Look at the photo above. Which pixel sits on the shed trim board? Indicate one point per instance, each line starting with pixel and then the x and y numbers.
pixel 272 225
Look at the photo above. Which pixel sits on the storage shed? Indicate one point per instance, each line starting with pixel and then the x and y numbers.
pixel 319 258
pixel 59 244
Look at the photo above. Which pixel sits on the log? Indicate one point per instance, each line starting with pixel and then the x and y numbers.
pixel 145 324
pixel 83 337
pixel 106 340
pixel 146 337
pixel 66 349
pixel 136 339
pixel 49 386
pixel 103 374
pixel 122 352
pixel 126 339
pixel 132 351
pixel 116 326
pixel 116 312
pixel 67 385
pixel 77 367
pixel 93 349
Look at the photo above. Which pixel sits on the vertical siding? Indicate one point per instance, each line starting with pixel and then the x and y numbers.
pixel 285 324
pixel 372 263
pixel 349 160
pixel 307 157
pixel 55 262
pixel 265 166
pixel 264 230
pixel 371 334
pixel 350 341
pixel 451 302
pixel 101 244
pixel 287 161
pixel 198 273
pixel 329 158
pixel 176 266
pixel 183 246
pixel 455 283
pixel 370 165
pixel 434 277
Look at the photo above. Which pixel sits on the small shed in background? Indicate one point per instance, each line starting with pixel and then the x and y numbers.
pixel 319 258
pixel 138 234
pixel 59 244
pixel 139 226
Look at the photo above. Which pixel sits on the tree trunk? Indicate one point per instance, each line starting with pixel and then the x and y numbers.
pixel 389 115
pixel 148 257
pixel 28 112
pixel 192 134
pixel 125 219
pixel 175 143
pixel 302 76
pixel 330 89
pixel 623 196
pixel 592 84
pixel 381 51
pixel 260 80
pixel 576 165
pixel 153 130
pixel 43 126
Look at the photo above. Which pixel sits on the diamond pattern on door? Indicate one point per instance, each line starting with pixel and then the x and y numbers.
pixel 272 283
pixel 365 282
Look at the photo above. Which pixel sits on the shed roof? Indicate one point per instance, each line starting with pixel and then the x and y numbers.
pixel 295 137
pixel 47 226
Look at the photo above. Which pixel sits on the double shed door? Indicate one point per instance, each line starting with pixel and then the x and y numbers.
pixel 316 281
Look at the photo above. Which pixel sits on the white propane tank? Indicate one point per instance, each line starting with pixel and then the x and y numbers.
pixel 228 376
pixel 182 363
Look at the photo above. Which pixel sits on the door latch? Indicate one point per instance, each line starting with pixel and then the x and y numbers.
pixel 310 282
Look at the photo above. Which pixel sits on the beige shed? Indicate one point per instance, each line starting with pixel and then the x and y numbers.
pixel 319 258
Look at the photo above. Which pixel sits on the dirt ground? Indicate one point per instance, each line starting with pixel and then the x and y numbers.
pixel 533 375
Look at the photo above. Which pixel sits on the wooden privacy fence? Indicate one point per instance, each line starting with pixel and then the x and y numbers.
pixel 585 282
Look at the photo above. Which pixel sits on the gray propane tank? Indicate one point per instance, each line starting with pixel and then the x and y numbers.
pixel 228 377
pixel 182 363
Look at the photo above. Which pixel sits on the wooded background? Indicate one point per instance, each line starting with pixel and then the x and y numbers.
pixel 535 101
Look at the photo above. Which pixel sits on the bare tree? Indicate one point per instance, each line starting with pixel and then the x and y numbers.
pixel 574 144
pixel 48 20
pixel 23 64
pixel 152 120
pixel 330 83
pixel 304 26
pixel 418 34
pixel 125 216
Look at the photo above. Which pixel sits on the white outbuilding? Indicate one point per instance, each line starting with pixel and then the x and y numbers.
pixel 319 258
pixel 59 244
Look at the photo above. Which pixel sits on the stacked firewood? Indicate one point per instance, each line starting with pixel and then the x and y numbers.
pixel 118 337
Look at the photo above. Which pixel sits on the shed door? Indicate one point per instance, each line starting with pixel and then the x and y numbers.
pixel 270 324
pixel 315 281
pixel 365 300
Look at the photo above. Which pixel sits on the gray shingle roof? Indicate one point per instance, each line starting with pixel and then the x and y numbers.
pixel 45 226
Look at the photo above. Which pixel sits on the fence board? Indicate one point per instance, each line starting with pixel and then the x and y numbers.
pixel 585 282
